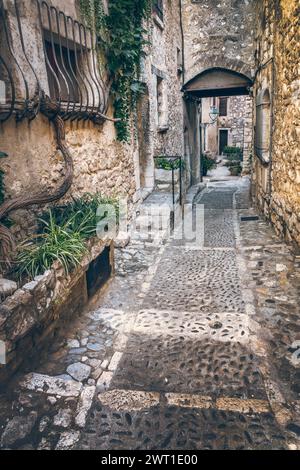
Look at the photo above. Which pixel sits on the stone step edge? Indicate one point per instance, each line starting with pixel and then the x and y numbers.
pixel 134 400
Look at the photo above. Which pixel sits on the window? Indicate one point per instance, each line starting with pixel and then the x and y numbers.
pixel 223 106
pixel 263 125
pixel 179 61
pixel 158 8
pixel 162 117
pixel 66 62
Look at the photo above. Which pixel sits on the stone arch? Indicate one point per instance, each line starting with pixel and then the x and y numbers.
pixel 221 62
pixel 218 81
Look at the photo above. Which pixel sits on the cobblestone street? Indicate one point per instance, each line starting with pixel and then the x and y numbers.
pixel 188 347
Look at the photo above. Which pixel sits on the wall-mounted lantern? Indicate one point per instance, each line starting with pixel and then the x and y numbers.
pixel 213 114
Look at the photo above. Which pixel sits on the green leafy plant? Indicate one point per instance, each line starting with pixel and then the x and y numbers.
pixel 164 163
pixel 56 243
pixel 207 164
pixel 122 38
pixel 235 167
pixel 233 152
pixel 80 216
pixel 62 235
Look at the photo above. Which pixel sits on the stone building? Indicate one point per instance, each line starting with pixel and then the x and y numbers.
pixel 276 177
pixel 197 49
pixel 101 163
pixel 218 61
pixel 232 127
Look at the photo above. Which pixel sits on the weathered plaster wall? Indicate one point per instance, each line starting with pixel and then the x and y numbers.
pixel 277 184
pixel 101 163
pixel 218 33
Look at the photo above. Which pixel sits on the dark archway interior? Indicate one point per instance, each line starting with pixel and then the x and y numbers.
pixel 218 82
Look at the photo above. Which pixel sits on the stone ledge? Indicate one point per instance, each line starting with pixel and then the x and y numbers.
pixel 30 317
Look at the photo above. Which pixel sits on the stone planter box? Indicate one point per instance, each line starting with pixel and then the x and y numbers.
pixel 30 318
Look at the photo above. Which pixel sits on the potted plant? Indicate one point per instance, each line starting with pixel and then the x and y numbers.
pixel 207 163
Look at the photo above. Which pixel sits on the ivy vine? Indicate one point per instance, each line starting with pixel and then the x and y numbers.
pixel 122 37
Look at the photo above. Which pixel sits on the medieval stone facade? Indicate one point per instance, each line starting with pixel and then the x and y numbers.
pixel 218 33
pixel 257 39
pixel 235 119
pixel 277 109
pixel 101 163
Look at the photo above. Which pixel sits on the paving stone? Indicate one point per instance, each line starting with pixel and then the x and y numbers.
pixel 84 405
pixel 181 343
pixel 67 440
pixel 104 381
pixel 18 428
pixel 175 428
pixel 63 418
pixel 51 385
pixel 79 371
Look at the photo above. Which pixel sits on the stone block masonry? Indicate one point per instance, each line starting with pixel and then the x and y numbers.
pixel 277 184
pixel 218 33
pixel 30 318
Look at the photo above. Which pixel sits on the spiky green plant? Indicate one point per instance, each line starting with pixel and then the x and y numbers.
pixel 80 216
pixel 56 243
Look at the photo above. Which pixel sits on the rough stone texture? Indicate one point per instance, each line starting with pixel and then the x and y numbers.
pixel 79 371
pixel 218 33
pixel 101 163
pixel 18 428
pixel 238 122
pixel 7 288
pixel 30 317
pixel 52 385
pixel 184 378
pixel 277 185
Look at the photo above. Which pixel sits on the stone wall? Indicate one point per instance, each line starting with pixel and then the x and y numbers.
pixel 218 33
pixel 162 136
pixel 31 317
pixel 277 182
pixel 238 122
pixel 101 163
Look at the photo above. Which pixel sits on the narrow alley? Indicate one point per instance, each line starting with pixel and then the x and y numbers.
pixel 189 347
pixel 149 226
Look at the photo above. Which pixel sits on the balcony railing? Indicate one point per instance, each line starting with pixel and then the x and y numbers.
pixel 59 74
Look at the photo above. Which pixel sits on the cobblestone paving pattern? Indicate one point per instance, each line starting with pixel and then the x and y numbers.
pixel 188 347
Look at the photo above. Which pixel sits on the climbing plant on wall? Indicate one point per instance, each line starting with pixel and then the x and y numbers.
pixel 122 37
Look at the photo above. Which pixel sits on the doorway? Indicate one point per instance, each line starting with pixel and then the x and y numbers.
pixel 223 140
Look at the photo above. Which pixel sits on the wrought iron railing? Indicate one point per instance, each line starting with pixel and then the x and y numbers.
pixel 67 82
pixel 176 162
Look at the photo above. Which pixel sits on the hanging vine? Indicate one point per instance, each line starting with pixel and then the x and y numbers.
pixel 122 37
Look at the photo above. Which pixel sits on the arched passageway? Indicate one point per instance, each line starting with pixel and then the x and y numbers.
pixel 224 93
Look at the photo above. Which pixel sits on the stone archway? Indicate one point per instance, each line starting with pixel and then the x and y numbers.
pixel 218 81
